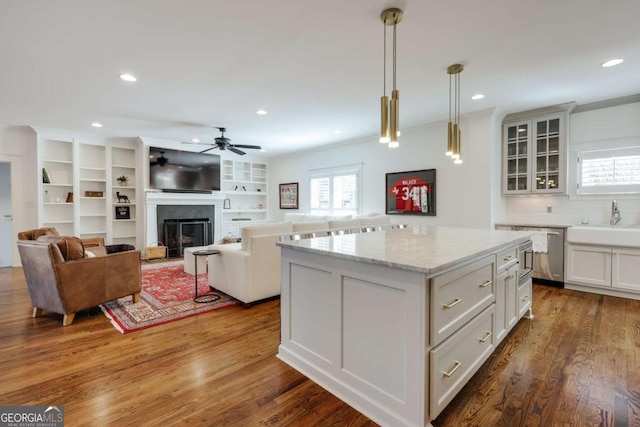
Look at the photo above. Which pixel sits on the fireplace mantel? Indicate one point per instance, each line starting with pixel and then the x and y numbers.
pixel 154 198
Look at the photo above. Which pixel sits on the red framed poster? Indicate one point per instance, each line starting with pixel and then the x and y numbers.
pixel 411 193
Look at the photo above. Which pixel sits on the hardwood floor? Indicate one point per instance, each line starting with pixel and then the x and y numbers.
pixel 577 363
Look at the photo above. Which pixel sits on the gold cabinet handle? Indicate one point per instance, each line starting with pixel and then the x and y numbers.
pixel 526 297
pixel 455 368
pixel 507 258
pixel 485 284
pixel 486 337
pixel 456 301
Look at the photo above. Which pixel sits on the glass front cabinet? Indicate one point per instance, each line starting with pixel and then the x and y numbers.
pixel 534 155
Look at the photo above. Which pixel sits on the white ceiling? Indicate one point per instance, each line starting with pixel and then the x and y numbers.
pixel 314 66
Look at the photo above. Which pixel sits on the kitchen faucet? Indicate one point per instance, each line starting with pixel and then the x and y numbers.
pixel 615 213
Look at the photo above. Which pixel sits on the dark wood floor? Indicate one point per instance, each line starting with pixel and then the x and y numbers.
pixel 576 364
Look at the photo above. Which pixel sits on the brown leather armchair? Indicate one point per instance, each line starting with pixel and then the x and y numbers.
pixel 63 280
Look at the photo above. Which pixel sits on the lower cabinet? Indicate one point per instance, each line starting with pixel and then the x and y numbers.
pixel 455 361
pixel 525 294
pixel 610 267
pixel 507 307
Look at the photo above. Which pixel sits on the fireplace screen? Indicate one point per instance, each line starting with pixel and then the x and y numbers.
pixel 185 233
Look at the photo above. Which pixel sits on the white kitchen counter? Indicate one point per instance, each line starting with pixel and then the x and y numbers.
pixel 396 322
pixel 425 249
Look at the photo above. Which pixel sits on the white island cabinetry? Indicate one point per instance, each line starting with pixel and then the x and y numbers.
pixel 395 322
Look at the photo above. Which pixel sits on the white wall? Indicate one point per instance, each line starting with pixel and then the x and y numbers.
pixel 463 192
pixel 18 147
pixel 604 125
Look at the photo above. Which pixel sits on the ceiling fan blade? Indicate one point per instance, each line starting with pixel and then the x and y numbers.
pixel 208 149
pixel 253 147
pixel 235 150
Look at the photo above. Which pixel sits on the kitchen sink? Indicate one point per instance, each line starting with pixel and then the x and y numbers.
pixel 605 234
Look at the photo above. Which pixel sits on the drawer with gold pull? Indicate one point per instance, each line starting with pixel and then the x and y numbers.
pixel 459 295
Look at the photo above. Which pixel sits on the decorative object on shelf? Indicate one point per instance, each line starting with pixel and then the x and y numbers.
pixel 93 194
pixel 454 137
pixel 244 188
pixel 123 212
pixel 45 196
pixel 289 195
pixel 69 198
pixel 45 177
pixel 258 190
pixel 411 193
pixel 226 204
pixel 389 114
pixel 122 198
pixel 123 180
pixel 260 206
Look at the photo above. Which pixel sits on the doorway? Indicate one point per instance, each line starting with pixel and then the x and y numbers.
pixel 6 216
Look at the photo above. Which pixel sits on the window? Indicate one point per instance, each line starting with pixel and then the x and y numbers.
pixel 335 190
pixel 609 171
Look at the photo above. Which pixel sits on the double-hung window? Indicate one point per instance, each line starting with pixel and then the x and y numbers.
pixel 335 191
pixel 609 171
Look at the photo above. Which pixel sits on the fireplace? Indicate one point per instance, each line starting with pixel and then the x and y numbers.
pixel 161 206
pixel 185 233
pixel 181 227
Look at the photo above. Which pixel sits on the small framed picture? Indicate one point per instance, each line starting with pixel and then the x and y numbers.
pixel 289 196
pixel 123 212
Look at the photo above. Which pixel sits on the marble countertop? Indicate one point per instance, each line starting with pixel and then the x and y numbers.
pixel 425 249
pixel 521 224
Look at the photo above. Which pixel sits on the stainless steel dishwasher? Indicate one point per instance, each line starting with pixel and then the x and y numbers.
pixel 548 267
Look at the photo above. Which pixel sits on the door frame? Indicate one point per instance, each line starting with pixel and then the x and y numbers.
pixel 15 165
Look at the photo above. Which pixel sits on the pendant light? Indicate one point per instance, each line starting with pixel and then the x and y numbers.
pixel 454 134
pixel 389 111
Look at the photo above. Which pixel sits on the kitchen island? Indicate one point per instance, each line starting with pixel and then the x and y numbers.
pixel 395 322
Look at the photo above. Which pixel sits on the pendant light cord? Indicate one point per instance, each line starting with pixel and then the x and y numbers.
pixel 394 52
pixel 384 62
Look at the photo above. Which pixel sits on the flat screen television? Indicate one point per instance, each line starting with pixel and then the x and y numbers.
pixel 183 171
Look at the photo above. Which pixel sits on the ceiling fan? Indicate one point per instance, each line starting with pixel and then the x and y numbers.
pixel 160 161
pixel 224 143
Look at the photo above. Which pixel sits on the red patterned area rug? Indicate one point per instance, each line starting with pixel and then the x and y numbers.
pixel 167 295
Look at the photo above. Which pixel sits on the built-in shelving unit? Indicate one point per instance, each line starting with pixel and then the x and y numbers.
pixel 57 178
pixel 79 186
pixel 123 163
pixel 244 185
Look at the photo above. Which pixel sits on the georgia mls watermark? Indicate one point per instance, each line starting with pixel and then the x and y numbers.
pixel 31 416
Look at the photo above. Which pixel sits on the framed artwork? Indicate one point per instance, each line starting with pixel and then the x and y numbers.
pixel 411 193
pixel 123 212
pixel 289 196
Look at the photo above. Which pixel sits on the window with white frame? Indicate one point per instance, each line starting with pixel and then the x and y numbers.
pixel 609 171
pixel 335 191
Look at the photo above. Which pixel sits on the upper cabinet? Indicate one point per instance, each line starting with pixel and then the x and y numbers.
pixel 534 153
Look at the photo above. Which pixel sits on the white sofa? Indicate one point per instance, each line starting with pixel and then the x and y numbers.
pixel 250 270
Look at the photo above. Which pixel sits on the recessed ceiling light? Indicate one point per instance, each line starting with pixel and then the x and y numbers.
pixel 96 125
pixel 128 77
pixel 477 96
pixel 195 140
pixel 261 112
pixel 337 131
pixel 612 62
pixel 263 150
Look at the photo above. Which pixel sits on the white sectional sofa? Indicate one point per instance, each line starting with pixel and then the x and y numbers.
pixel 250 270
